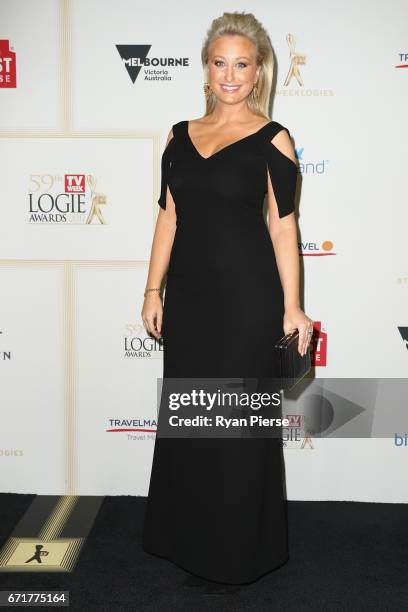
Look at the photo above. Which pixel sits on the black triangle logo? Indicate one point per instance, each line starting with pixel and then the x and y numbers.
pixel 129 52
pixel 404 334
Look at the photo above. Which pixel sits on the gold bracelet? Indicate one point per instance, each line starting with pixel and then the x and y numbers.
pixel 151 289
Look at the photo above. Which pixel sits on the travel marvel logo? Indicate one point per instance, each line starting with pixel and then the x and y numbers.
pixel 8 77
pixel 65 199
pixel 316 249
pixel 403 60
pixel 134 429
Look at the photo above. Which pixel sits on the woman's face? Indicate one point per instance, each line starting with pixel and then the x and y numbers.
pixel 232 67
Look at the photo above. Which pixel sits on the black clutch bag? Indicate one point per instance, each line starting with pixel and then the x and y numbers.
pixel 292 365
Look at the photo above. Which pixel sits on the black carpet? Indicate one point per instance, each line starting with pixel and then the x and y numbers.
pixel 343 556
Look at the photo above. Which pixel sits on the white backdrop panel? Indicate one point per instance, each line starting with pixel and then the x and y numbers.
pixel 34 33
pixel 111 385
pixel 123 171
pixel 32 382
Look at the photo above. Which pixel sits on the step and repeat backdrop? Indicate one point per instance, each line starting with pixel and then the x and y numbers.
pixel 88 93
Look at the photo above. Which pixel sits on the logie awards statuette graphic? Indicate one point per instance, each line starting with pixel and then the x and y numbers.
pixel 296 59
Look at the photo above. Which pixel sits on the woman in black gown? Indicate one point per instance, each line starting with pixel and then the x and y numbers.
pixel 216 506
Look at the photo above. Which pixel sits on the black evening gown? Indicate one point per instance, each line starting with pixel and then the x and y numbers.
pixel 216 506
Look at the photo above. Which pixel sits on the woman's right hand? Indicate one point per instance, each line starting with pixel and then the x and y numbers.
pixel 152 314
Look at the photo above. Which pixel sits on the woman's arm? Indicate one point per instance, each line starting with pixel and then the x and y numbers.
pixel 283 232
pixel 163 238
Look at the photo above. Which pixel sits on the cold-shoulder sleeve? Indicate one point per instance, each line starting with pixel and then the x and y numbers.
pixel 166 161
pixel 283 172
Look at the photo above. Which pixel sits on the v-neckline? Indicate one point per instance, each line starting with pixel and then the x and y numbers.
pixel 228 146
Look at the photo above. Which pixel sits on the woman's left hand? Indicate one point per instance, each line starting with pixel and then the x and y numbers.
pixel 295 318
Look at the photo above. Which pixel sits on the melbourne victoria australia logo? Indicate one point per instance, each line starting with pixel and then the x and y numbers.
pixel 404 335
pixel 135 58
pixel 65 198
pixel 138 344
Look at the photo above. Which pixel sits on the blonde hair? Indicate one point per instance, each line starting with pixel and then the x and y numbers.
pixel 247 25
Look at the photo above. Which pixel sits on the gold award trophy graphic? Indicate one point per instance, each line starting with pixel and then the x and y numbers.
pixel 296 59
pixel 98 199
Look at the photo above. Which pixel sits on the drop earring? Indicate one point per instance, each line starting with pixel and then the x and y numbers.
pixel 207 90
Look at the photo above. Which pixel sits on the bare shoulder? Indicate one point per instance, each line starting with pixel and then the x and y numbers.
pixel 282 141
